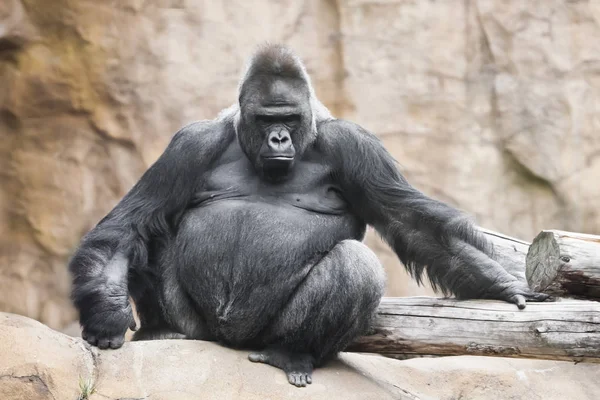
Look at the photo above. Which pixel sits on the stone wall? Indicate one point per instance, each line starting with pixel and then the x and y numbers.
pixel 490 105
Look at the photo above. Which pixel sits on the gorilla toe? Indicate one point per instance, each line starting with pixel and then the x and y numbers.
pixel 297 366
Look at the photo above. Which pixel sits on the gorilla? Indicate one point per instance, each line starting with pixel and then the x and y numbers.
pixel 247 231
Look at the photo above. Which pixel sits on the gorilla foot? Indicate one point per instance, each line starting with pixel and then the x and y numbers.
pixel 156 334
pixel 298 367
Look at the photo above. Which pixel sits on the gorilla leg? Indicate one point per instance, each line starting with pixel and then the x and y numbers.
pixel 177 306
pixel 153 325
pixel 334 305
pixel 156 333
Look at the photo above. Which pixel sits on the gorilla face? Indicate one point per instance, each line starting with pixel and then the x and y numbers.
pixel 275 124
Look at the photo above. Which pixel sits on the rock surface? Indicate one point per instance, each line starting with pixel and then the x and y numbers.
pixel 39 363
pixel 490 105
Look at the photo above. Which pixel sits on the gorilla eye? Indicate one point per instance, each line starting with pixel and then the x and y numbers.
pixel 273 119
pixel 267 119
pixel 290 118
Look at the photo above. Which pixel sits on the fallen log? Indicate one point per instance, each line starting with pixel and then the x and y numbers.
pixel 562 330
pixel 565 264
pixel 508 252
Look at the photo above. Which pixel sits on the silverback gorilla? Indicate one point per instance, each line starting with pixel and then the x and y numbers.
pixel 247 231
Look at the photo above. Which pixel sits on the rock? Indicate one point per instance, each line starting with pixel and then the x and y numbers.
pixel 490 105
pixel 39 363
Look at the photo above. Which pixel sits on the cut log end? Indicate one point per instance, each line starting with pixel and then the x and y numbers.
pixel 565 264
pixel 543 261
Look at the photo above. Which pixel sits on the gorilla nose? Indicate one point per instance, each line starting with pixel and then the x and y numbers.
pixel 280 140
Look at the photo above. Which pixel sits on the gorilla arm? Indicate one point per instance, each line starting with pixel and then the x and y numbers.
pixel 101 263
pixel 427 235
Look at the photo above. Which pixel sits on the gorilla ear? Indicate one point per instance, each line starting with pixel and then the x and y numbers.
pixel 320 113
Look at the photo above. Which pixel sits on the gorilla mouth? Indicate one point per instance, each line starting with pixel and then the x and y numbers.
pixel 277 167
pixel 277 162
pixel 279 158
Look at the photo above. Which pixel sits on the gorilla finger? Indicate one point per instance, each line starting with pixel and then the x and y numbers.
pixel 519 300
pixel 91 339
pixel 115 343
pixel 257 357
pixel 541 297
pixel 84 335
pixel 309 379
pixel 103 343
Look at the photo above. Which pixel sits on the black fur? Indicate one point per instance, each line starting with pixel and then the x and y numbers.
pixel 228 238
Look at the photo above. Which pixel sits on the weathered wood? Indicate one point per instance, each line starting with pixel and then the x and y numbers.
pixel 563 330
pixel 509 252
pixel 565 264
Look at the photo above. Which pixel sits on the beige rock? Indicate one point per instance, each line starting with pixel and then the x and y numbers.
pixel 490 105
pixel 39 363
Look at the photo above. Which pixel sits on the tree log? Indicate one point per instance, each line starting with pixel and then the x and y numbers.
pixel 565 264
pixel 509 252
pixel 562 330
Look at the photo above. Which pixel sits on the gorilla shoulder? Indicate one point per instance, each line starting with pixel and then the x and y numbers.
pixel 213 134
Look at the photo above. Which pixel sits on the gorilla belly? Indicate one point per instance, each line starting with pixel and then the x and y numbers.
pixel 240 260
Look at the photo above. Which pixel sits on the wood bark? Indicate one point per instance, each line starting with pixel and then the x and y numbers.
pixel 563 330
pixel 565 264
pixel 509 252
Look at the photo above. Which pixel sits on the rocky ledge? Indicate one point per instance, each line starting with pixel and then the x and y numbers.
pixel 39 363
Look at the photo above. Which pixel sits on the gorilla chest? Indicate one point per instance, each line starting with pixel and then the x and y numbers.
pixel 309 187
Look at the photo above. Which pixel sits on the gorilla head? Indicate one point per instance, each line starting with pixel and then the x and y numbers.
pixel 276 122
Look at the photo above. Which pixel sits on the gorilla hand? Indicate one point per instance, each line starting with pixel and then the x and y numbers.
pixel 105 324
pixel 515 291
pixel 100 290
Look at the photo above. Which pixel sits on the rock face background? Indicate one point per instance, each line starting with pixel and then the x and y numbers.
pixel 490 105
